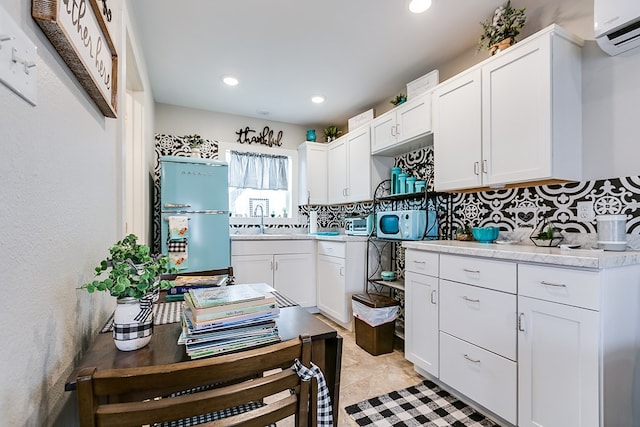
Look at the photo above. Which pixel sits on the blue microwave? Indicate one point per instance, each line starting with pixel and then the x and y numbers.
pixel 407 224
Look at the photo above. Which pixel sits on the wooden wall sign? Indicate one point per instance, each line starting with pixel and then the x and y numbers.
pixel 78 31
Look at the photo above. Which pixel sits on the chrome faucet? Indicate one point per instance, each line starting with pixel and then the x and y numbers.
pixel 255 213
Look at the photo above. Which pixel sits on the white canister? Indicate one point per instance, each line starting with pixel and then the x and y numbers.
pixel 612 232
pixel 313 222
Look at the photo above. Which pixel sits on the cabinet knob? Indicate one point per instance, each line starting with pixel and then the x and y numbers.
pixel 485 169
pixel 466 298
pixel 557 285
pixel 476 166
pixel 433 297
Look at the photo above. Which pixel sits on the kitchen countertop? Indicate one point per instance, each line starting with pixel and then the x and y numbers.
pixel 583 258
pixel 267 236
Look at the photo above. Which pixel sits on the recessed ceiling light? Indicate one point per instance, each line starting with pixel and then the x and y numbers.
pixel 230 80
pixel 317 99
pixel 419 6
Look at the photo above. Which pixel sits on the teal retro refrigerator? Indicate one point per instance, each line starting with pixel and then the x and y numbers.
pixel 194 203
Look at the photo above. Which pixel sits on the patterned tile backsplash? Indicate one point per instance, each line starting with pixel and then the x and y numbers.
pixel 516 211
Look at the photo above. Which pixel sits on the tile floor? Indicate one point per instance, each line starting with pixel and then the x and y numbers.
pixel 365 376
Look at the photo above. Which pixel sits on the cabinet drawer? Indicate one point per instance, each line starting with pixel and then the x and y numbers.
pixel 421 262
pixel 481 375
pixel 498 275
pixel 484 317
pixel 262 247
pixel 336 249
pixel 573 287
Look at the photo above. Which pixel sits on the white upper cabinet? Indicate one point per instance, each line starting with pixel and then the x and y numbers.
pixel 352 172
pixel 313 173
pixel 403 129
pixel 515 118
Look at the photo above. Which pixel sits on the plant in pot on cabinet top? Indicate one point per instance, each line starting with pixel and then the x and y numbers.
pixel 500 29
pixel 332 133
pixel 546 235
pixel 195 141
pixel 399 99
pixel 133 277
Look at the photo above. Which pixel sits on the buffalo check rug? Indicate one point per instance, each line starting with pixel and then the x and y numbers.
pixel 424 404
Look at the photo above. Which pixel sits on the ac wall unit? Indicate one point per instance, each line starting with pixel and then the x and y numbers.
pixel 617 25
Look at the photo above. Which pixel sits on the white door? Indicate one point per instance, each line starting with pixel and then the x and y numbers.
pixel 457 133
pixel 414 118
pixel 291 277
pixel 421 321
pixel 359 167
pixel 332 287
pixel 517 109
pixel 337 171
pixel 383 131
pixel 253 269
pixel 313 174
pixel 557 365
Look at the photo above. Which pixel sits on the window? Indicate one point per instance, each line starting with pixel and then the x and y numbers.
pixel 261 181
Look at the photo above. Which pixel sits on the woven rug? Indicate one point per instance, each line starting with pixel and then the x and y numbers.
pixel 169 312
pixel 425 404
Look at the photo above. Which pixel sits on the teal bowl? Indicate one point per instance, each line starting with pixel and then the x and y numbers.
pixel 485 234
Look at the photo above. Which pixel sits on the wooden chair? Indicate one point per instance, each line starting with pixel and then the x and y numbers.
pixel 132 396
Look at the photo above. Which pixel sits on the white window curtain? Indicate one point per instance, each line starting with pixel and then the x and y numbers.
pixel 258 171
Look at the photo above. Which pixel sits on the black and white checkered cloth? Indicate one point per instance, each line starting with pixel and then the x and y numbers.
pixel 425 404
pixel 325 412
pixel 213 416
pixel 177 245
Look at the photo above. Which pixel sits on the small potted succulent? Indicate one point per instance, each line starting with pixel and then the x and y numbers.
pixel 501 28
pixel 464 233
pixel 194 141
pixel 133 277
pixel 399 99
pixel 546 235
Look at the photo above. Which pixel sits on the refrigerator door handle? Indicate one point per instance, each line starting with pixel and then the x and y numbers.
pixel 176 205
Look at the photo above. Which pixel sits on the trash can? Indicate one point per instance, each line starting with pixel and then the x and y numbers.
pixel 374 318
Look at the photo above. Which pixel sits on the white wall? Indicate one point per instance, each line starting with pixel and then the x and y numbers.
pixel 179 121
pixel 60 209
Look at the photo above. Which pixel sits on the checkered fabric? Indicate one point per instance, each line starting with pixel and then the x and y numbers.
pixel 425 404
pixel 132 331
pixel 213 416
pixel 325 413
pixel 177 245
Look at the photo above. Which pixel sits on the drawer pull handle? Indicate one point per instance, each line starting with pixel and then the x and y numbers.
pixel 466 298
pixel 466 356
pixel 520 322
pixel 557 285
pixel 419 262
pixel 466 270
pixel 433 297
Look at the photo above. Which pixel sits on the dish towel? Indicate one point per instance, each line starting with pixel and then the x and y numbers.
pixel 178 227
pixel 325 410
pixel 177 242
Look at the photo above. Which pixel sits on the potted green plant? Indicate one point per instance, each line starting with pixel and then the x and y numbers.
pixel 501 29
pixel 133 277
pixel 332 133
pixel 546 235
pixel 194 141
pixel 399 99
pixel 464 233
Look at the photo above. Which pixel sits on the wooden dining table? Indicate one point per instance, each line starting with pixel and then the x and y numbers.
pixel 163 349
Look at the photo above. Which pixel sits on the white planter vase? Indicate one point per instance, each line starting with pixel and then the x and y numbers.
pixel 128 333
pixel 195 152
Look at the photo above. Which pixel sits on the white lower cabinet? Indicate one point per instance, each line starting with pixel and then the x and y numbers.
pixel 287 265
pixel 340 274
pixel 481 375
pixel 558 365
pixel 538 345
pixel 421 321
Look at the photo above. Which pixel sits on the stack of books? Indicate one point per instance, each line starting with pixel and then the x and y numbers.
pixel 225 319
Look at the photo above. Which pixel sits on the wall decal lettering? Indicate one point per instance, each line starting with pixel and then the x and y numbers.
pixel 266 137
